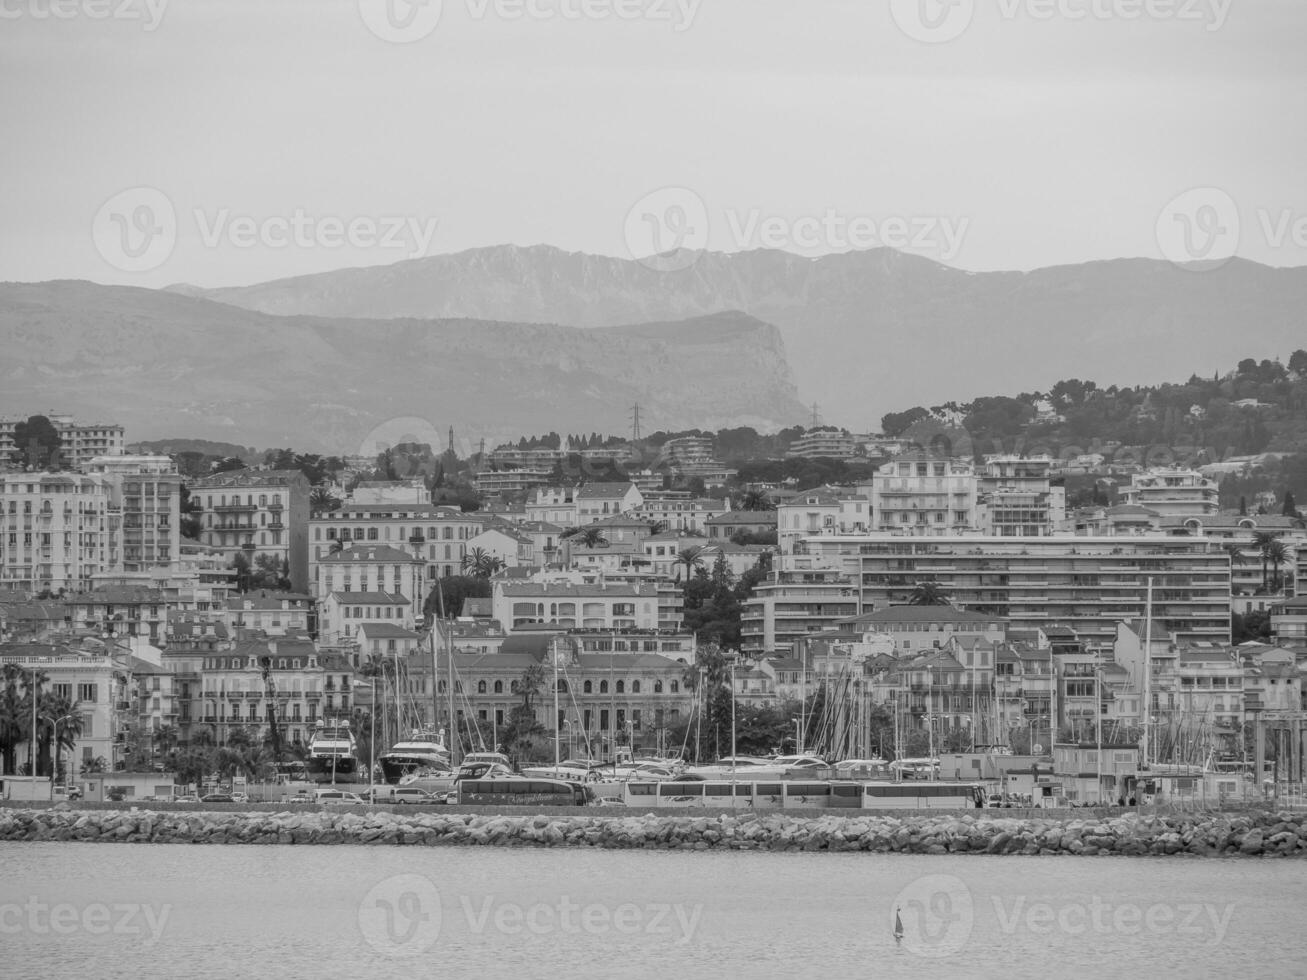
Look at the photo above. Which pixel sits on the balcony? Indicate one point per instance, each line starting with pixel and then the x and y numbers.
pixel 235 509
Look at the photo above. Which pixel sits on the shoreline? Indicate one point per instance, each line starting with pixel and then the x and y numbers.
pixel 1207 834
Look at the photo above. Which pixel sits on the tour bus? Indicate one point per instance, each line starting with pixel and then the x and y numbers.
pixel 807 795
pixel 516 791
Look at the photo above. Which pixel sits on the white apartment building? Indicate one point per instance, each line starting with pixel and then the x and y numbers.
pixel 826 510
pixel 598 606
pixel 54 530
pixel 825 444
pixel 1016 497
pixel 1173 493
pixel 374 570
pixel 437 536
pixel 924 495
pixel 80 443
pixel 259 512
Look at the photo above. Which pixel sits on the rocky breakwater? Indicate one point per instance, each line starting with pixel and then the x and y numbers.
pixel 1257 833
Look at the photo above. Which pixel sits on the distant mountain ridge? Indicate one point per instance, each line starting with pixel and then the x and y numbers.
pixel 867 332
pixel 163 363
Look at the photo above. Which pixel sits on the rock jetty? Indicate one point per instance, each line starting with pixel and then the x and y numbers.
pixel 1250 833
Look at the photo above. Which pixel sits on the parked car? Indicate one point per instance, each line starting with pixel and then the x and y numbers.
pixel 337 797
pixel 240 798
pixel 408 794
pixel 217 798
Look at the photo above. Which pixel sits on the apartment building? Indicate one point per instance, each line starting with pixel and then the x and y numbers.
pixel 368 582
pixel 436 536
pixel 923 495
pixel 733 522
pixel 801 599
pixel 80 442
pixel 271 613
pixel 227 690
pixel 592 606
pixel 688 449
pixel 1173 492
pixel 680 511
pixel 93 680
pixel 595 501
pixel 826 510
pixel 259 512
pixel 144 510
pixel 54 530
pixel 824 444
pixel 1088 584
pixel 1016 498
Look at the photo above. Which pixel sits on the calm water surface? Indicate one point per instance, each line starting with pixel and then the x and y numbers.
pixel 164 911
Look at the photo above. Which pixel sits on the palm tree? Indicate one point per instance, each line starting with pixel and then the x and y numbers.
pixel 1262 541
pixel 592 537
pixel 691 558
pixel 755 500
pixel 928 594
pixel 11 716
pixel 65 722
pixel 337 546
pixel 1277 553
pixel 481 563
pixel 322 499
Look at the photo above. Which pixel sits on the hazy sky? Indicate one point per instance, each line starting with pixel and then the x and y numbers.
pixel 1045 132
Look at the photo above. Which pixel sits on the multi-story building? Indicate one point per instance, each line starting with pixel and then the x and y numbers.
pixel 920 494
pixel 1173 492
pixel 271 613
pixel 829 443
pixel 586 606
pixel 554 505
pixel 389 492
pixel 93 681
pixel 144 510
pixel 121 611
pixel 259 512
pixel 630 698
pixel 826 510
pixel 801 599
pixel 226 689
pixel 1289 622
pixel 79 443
pixel 513 480
pixel 54 530
pixel 368 582
pixel 1016 497
pixel 680 511
pixel 687 449
pixel 1088 584
pixel 918 629
pixel 733 522
pixel 436 536
pixel 595 501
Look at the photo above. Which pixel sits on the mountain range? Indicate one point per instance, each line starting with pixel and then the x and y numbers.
pixel 867 332
pixel 167 365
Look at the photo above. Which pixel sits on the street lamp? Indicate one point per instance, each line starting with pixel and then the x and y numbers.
pixel 54 765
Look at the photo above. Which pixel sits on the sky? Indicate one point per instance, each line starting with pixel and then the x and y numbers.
pixel 224 142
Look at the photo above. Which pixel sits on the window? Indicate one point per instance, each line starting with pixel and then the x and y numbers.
pixel 658 687
pixel 621 687
pixel 87 693
pixel 499 687
pixel 481 687
pixel 635 687
pixel 603 687
pixel 588 687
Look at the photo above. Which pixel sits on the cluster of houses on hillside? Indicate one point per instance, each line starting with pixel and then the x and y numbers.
pixel 1036 619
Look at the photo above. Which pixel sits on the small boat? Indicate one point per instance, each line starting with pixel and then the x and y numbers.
pixel 898 927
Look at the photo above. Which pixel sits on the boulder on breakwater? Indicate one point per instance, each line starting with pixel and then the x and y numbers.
pixel 1250 833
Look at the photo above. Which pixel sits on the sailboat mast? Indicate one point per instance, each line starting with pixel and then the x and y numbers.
pixel 1148 657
